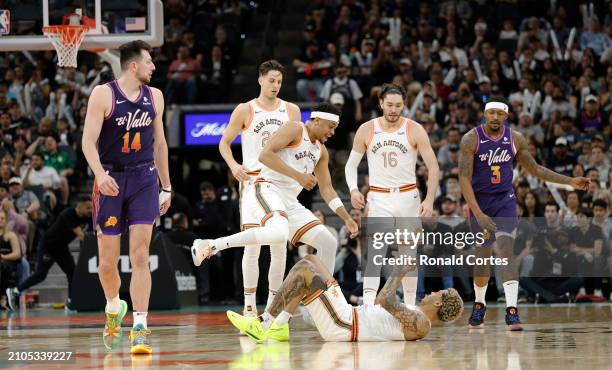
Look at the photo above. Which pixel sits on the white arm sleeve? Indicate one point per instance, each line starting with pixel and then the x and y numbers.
pixel 350 171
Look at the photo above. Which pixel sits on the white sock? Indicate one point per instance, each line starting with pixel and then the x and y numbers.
pixel 282 318
pixel 250 303
pixel 266 320
pixel 113 305
pixel 271 295
pixel 275 232
pixel 480 292
pixel 409 284
pixel 511 290
pixel 370 288
pixel 140 318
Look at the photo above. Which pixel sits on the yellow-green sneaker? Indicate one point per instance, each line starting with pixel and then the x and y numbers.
pixel 139 337
pixel 278 333
pixel 251 326
pixel 112 334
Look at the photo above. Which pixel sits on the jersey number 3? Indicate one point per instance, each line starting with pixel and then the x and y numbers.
pixel 135 142
pixel 496 179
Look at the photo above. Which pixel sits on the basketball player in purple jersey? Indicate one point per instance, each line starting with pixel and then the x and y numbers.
pixel 485 176
pixel 124 144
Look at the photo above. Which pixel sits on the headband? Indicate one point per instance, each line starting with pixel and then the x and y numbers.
pixel 496 105
pixel 324 115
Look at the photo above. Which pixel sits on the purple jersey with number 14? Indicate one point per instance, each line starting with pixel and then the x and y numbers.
pixel 126 137
pixel 493 162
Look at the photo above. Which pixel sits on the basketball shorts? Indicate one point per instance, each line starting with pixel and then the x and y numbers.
pixel 332 314
pixel 136 203
pixel 501 207
pixel 263 199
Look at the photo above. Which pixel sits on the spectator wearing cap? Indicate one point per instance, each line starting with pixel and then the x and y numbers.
pixel 561 161
pixel 449 210
pixel 599 161
pixel 453 137
pixel 590 117
pixel 453 159
pixel 586 240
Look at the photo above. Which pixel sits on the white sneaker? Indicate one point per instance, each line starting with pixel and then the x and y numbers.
pixel 201 250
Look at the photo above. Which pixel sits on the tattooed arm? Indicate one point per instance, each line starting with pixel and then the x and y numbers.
pixel 529 163
pixel 466 169
pixel 414 323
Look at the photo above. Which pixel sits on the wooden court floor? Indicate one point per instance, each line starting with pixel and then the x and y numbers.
pixel 555 337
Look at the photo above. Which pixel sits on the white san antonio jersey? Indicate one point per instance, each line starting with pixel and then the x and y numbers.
pixel 302 157
pixel 391 158
pixel 377 324
pixel 259 127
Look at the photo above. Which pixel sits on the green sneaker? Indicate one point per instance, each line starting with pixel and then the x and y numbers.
pixel 278 333
pixel 112 334
pixel 251 326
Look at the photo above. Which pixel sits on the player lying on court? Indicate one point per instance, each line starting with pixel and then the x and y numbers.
pixel 336 320
pixel 290 157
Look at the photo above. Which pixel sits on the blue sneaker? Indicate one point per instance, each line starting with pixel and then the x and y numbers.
pixel 513 320
pixel 478 314
pixel 141 344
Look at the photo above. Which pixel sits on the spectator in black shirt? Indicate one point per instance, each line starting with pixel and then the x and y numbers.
pixel 53 247
pixel 586 240
pixel 10 255
pixel 206 222
pixel 179 204
pixel 183 238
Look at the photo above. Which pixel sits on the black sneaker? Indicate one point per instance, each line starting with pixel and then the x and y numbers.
pixel 12 297
pixel 478 314
pixel 513 320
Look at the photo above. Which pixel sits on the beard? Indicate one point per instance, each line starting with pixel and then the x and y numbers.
pixel 390 118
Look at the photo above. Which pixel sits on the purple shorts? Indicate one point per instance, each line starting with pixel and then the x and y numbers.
pixel 501 207
pixel 136 203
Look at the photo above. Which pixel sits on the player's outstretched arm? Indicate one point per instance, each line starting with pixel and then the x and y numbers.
pixel 533 168
pixel 237 120
pixel 433 169
pixel 415 323
pixel 288 134
pixel 350 170
pixel 91 134
pixel 328 193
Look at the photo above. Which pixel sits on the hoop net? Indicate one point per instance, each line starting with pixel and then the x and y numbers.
pixel 66 39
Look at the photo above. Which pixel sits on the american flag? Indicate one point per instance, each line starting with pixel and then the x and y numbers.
pixel 135 23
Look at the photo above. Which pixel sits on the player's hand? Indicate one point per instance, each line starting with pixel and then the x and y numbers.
pixel 426 209
pixel 352 227
pixel 107 185
pixel 307 181
pixel 240 173
pixel 580 183
pixel 486 223
pixel 357 199
pixel 164 202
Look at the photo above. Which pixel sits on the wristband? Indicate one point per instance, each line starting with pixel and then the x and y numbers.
pixel 169 190
pixel 335 203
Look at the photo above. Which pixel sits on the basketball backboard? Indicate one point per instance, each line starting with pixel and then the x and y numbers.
pixel 125 20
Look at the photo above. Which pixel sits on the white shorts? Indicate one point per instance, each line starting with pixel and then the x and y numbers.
pixel 396 204
pixel 332 315
pixel 262 199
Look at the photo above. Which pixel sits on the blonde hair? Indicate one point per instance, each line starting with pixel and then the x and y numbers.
pixel 452 306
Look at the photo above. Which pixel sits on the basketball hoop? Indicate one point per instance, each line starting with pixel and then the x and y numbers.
pixel 66 39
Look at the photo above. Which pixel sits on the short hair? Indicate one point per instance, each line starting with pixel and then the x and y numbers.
pixel 38 154
pixel 327 107
pixel 179 218
pixel 84 198
pixel 387 89
pixel 584 211
pixel 553 204
pixel 271 65
pixel 131 51
pixel 600 203
pixel 452 306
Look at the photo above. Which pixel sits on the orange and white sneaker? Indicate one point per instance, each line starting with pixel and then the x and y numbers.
pixel 139 338
pixel 202 249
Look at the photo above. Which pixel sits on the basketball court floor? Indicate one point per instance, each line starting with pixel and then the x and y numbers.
pixel 555 337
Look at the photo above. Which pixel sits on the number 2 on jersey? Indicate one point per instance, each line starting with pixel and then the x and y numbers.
pixel 135 142
pixel 496 179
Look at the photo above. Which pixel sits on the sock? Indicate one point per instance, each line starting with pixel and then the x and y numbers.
pixel 282 318
pixel 275 232
pixel 370 288
pixel 140 318
pixel 511 290
pixel 480 292
pixel 266 319
pixel 409 284
pixel 271 295
pixel 113 305
pixel 249 302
